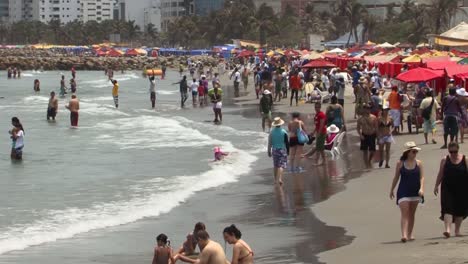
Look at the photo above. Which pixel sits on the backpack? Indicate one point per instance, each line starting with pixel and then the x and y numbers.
pixel 426 112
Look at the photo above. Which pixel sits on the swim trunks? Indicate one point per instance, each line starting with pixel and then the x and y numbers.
pixel 74 119
pixel 293 141
pixel 51 112
pixel 451 125
pixel 368 143
pixel 320 142
pixel 280 158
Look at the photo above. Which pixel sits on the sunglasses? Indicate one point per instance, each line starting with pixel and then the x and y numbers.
pixel 414 151
pixel 453 151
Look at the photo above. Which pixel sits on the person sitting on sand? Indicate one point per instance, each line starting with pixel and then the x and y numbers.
pixel 163 251
pixel 332 132
pixel 241 253
pixel 189 246
pixel 211 251
pixel 219 154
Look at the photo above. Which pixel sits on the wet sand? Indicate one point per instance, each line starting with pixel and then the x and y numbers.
pixel 364 210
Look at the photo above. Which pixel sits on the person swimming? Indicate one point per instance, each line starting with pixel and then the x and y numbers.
pixel 219 154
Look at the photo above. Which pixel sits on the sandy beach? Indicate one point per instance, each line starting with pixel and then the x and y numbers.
pixel 364 209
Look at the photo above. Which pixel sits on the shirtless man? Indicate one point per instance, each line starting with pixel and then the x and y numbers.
pixel 74 107
pixel 211 252
pixel 367 126
pixel 52 107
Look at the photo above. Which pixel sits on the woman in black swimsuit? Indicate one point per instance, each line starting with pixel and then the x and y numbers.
pixel 242 253
pixel 385 138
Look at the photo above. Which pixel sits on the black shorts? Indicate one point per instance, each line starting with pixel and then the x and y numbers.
pixel 368 143
pixel 51 112
pixel 341 102
pixel 153 96
pixel 293 141
pixel 451 125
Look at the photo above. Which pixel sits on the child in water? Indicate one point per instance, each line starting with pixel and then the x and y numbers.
pixel 219 154
pixel 163 251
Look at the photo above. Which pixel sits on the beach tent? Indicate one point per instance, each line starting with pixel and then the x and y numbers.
pixel 439 65
pixel 246 53
pixel 142 52
pixel 115 53
pixel 386 45
pixel 131 52
pixel 455 69
pixel 319 63
pixel 454 37
pixel 100 52
pixel 422 45
pixel 412 59
pixel 291 52
pixel 336 50
pixel 420 75
pixel 312 56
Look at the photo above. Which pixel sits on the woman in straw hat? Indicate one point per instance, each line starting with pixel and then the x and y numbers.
pixel 278 148
pixel 409 171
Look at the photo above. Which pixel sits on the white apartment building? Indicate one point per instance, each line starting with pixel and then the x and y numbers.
pixel 97 10
pixel 44 10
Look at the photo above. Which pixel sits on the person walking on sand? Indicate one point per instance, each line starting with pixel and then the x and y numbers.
pixel 52 107
pixel 183 88
pixel 63 88
pixel 212 252
pixel 241 253
pixel 451 111
pixel 17 138
pixel 216 97
pixel 367 130
pixel 394 100
pixel 453 176
pixel 152 91
pixel 115 92
pixel 385 137
pixel 74 107
pixel 428 110
pixel 265 109
pixel 409 171
pixel 237 79
pixel 295 86
pixel 462 95
pixel 295 126
pixel 363 96
pixel 278 148
pixel 245 77
pixel 163 251
pixel 320 133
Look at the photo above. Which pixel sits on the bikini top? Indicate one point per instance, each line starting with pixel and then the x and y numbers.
pixel 382 124
pixel 250 253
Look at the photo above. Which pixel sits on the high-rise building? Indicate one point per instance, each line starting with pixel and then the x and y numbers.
pixel 97 10
pixel 4 10
pixel 275 4
pixel 44 11
pixel 204 7
pixel 171 9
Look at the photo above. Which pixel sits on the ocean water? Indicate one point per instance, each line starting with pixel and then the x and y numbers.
pixel 119 167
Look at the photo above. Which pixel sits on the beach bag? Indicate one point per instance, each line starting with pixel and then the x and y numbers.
pixel 302 137
pixel 426 112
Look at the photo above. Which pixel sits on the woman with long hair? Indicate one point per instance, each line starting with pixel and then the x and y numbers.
pixel 163 251
pixel 241 253
pixel 409 172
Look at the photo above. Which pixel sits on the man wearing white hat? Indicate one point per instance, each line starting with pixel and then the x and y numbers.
pixel 278 148
pixel 266 104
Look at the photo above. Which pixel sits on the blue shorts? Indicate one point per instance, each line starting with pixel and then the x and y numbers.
pixel 280 158
pixel 194 94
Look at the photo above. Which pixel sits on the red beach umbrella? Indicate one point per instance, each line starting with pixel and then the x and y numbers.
pixel 319 63
pixel 420 75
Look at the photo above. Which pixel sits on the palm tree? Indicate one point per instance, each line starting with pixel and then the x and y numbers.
pixel 442 12
pixel 369 23
pixel 353 13
pixel 264 22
